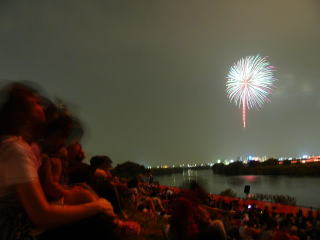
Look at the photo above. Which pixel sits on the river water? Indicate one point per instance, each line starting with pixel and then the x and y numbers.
pixel 306 190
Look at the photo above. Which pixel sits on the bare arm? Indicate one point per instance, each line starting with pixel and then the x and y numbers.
pixel 56 168
pixel 51 171
pixel 50 179
pixel 46 215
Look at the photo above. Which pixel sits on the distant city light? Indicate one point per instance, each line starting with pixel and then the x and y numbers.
pixel 302 159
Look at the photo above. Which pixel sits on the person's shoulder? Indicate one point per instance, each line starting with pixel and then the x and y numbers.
pixel 10 139
pixel 17 147
pixel 10 142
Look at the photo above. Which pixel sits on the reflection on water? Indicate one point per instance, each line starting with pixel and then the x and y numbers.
pixel 235 181
pixel 250 178
pixel 188 175
pixel 302 188
pixel 243 180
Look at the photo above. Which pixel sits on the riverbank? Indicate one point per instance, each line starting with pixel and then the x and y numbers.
pixel 167 171
pixel 256 168
pixel 303 189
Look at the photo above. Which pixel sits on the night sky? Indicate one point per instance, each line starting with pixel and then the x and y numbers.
pixel 147 78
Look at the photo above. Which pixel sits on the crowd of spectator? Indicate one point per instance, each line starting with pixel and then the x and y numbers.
pixel 238 220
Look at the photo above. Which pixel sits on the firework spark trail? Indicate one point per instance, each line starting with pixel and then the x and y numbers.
pixel 250 82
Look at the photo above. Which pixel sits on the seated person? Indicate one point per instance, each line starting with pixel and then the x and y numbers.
pixel 102 182
pixel 77 170
pixel 101 166
pixel 191 220
pixel 23 205
pixel 57 133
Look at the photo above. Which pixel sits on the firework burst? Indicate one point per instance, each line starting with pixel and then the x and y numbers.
pixel 250 82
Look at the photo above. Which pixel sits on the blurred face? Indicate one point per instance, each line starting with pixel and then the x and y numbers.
pixel 36 115
pixel 75 153
pixel 105 166
pixel 36 109
pixel 62 154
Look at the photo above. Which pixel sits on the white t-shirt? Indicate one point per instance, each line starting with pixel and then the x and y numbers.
pixel 19 163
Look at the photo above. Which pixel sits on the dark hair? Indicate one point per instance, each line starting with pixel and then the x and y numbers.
pixel 98 161
pixel 15 108
pixel 60 123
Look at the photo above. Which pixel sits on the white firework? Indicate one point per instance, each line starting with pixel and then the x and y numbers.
pixel 250 82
